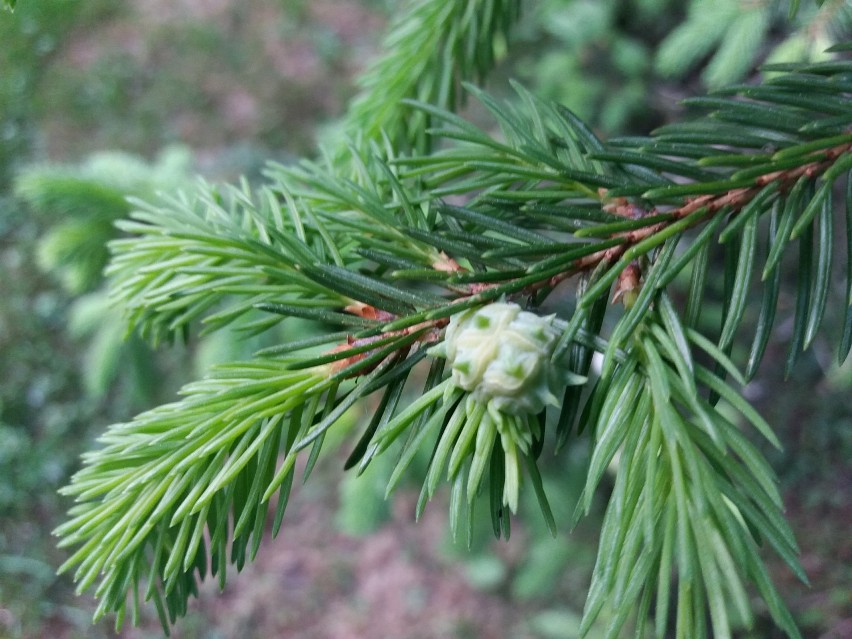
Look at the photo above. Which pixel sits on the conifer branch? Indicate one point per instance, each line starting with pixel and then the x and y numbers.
pixel 410 259
pixel 432 47
pixel 702 208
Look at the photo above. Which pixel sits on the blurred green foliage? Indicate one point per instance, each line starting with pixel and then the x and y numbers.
pixel 44 426
pixel 80 204
pixel 726 39
pixel 32 37
pixel 595 59
pixel 621 64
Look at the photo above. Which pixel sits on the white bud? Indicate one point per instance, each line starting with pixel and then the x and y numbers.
pixel 502 356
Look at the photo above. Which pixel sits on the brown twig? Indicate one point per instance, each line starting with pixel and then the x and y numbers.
pixel 429 336
pixel 732 202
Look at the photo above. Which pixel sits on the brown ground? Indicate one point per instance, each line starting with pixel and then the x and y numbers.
pixel 315 583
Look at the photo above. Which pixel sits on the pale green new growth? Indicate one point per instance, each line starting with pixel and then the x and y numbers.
pixel 400 248
pixel 502 356
pixel 431 48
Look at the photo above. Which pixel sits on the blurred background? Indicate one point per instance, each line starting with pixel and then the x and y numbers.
pixel 100 99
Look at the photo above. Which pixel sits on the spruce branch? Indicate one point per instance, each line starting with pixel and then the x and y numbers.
pixel 514 182
pixel 411 260
pixel 146 497
pixel 699 209
pixel 433 46
pixel 689 484
pixel 214 255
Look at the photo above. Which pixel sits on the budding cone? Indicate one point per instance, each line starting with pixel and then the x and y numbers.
pixel 502 355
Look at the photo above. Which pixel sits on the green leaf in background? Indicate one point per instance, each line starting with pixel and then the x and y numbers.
pixel 738 47
pixel 84 201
